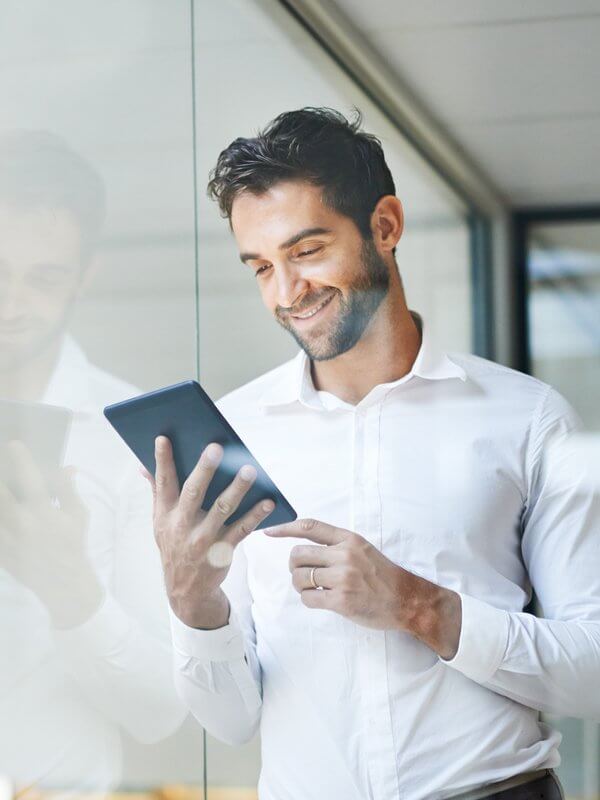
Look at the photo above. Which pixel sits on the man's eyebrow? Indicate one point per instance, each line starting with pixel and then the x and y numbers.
pixel 297 237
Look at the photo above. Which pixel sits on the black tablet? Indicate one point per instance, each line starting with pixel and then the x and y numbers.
pixel 187 415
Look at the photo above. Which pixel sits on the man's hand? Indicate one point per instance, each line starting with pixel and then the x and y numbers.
pixel 43 538
pixel 196 546
pixel 360 583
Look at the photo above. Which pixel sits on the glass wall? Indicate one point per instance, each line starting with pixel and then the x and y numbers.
pixel 101 298
pixel 97 303
pixel 563 307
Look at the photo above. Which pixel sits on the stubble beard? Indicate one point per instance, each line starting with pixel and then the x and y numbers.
pixel 355 311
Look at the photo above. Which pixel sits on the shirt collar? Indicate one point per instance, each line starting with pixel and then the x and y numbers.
pixel 295 384
pixel 69 383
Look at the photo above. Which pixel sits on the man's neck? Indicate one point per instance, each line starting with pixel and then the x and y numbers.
pixel 386 353
pixel 29 381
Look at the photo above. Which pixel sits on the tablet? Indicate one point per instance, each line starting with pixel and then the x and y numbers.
pixel 43 429
pixel 187 415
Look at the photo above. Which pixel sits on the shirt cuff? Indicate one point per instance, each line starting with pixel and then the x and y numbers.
pixel 101 633
pixel 220 644
pixel 483 639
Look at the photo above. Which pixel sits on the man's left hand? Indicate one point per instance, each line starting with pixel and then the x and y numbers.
pixel 360 583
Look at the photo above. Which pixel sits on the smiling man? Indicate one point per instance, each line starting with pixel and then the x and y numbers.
pixel 379 641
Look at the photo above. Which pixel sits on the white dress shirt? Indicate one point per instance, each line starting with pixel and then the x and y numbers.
pixel 463 472
pixel 65 695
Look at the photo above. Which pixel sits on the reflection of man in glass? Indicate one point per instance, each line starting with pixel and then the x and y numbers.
pixel 379 641
pixel 82 651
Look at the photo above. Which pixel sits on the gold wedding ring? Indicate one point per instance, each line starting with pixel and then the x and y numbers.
pixel 312 578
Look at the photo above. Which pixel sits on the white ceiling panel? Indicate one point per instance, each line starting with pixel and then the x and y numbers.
pixel 515 85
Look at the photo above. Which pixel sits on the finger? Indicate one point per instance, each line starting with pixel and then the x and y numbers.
pixel 312 555
pixel 10 515
pixel 312 529
pixel 167 483
pixel 150 478
pixel 317 598
pixel 68 497
pixel 196 484
pixel 229 499
pixel 248 522
pixel 325 577
pixel 29 480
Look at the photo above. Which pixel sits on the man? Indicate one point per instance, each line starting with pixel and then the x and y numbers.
pixel 379 640
pixel 82 653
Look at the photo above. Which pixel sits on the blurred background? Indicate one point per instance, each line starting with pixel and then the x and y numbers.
pixel 489 115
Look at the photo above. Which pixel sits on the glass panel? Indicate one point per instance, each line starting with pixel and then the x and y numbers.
pixel 97 303
pixel 564 324
pixel 268 64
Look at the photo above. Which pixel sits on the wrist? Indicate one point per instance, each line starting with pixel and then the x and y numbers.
pixel 432 614
pixel 206 613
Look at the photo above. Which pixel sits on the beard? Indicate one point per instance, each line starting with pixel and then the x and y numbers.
pixel 355 311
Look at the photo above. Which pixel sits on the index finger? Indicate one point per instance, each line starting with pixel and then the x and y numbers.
pixel 166 480
pixel 313 529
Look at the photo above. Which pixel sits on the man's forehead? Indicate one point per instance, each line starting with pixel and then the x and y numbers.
pixel 35 234
pixel 279 214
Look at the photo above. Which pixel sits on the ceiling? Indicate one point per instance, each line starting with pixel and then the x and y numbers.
pixel 515 84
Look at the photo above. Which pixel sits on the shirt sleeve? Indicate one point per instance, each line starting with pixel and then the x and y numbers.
pixel 217 672
pixel 551 662
pixel 121 656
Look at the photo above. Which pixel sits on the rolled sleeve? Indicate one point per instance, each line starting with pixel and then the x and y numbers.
pixel 483 639
pixel 220 644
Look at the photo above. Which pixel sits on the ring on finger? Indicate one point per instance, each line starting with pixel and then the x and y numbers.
pixel 312 578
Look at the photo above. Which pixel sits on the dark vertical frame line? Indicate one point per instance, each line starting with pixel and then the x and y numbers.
pixel 522 221
pixel 196 280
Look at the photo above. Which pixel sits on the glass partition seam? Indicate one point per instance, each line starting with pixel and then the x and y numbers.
pixel 196 274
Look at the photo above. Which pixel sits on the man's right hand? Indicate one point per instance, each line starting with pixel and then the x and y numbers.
pixel 196 547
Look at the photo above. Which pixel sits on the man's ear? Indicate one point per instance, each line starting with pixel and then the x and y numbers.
pixel 387 223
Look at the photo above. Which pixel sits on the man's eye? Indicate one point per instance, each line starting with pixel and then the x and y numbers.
pixel 261 269
pixel 309 252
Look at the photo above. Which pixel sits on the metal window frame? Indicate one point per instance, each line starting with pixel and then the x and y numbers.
pixel 522 221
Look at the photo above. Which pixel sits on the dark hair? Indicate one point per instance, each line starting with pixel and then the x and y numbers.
pixel 318 145
pixel 38 169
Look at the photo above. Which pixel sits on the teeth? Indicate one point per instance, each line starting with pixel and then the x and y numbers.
pixel 314 311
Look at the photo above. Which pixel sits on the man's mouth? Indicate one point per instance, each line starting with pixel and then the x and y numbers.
pixel 315 310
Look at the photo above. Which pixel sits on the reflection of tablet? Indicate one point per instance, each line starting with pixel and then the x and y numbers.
pixel 43 430
pixel 187 415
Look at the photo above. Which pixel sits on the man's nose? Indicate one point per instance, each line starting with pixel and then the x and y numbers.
pixel 290 286
pixel 12 305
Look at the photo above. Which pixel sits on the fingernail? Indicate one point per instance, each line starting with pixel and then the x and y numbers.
pixel 268 505
pixel 247 472
pixel 212 453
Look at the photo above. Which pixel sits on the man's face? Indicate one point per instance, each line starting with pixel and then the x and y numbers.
pixel 40 271
pixel 316 274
